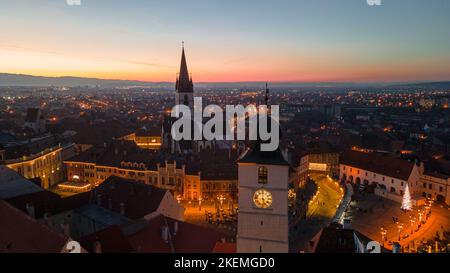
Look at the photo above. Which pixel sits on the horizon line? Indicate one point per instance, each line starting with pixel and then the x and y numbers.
pixel 242 82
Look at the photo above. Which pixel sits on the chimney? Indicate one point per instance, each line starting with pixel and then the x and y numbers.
pixel 30 209
pixel 97 247
pixel 175 228
pixel 122 208
pixel 165 233
pixel 66 228
pixel 99 199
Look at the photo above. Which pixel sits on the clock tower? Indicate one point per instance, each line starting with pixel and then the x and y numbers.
pixel 263 225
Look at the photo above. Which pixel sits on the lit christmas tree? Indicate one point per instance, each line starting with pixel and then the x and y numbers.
pixel 406 203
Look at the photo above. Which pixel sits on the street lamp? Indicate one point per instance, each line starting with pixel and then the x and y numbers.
pixel 383 235
pixel 420 217
pixel 200 203
pixel 179 199
pixel 412 221
pixel 221 198
pixel 400 228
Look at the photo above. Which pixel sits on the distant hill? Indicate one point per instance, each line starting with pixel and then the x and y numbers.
pixel 7 79
pixel 429 85
pixel 28 80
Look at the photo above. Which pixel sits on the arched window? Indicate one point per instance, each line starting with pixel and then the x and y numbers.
pixel 262 175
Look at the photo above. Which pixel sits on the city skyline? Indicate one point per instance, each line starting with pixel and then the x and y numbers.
pixel 290 43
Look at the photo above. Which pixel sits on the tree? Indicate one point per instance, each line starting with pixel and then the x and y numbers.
pixel 406 202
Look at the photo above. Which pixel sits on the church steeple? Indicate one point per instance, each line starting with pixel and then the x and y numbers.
pixel 184 82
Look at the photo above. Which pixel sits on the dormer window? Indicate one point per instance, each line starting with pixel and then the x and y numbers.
pixel 262 175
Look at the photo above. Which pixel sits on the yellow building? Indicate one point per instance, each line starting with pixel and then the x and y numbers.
pixel 208 175
pixel 46 165
pixel 148 138
pixel 127 160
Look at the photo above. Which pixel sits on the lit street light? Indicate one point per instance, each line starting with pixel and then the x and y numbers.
pixel 383 235
pixel 412 221
pixel 200 203
pixel 400 228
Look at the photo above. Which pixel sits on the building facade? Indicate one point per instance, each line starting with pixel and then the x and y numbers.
pixel 46 165
pixel 435 186
pixel 263 224
pixel 388 175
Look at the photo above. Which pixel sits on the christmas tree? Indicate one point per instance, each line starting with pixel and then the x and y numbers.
pixel 406 202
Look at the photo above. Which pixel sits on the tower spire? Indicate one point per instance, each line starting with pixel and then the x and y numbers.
pixel 184 82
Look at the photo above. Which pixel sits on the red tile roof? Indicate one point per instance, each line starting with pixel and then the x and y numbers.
pixel 224 248
pixel 146 237
pixel 112 240
pixel 138 199
pixel 189 238
pixel 379 163
pixel 21 233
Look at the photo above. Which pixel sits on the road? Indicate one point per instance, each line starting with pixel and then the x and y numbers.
pixel 320 212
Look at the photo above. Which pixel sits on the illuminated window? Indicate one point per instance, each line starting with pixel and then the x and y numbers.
pixel 262 175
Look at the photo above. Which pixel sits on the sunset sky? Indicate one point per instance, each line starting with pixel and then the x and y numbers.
pixel 228 40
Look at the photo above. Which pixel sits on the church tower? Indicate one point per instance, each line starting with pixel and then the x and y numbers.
pixel 263 224
pixel 184 86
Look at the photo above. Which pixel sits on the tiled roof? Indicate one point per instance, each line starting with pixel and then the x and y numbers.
pixel 23 234
pixel 438 168
pixel 146 237
pixel 224 248
pixel 112 240
pixel 379 163
pixel 138 199
pixel 334 240
pixel 189 238
pixel 96 133
pixel 255 155
pixel 116 152
pixel 48 202
pixel 13 184
pixel 338 240
pixel 151 131
pixel 213 165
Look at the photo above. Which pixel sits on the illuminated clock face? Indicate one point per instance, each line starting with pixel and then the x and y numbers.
pixel 262 199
